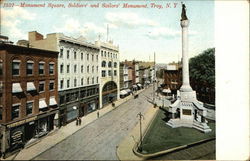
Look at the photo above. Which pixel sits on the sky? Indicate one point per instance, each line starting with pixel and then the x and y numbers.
pixel 139 32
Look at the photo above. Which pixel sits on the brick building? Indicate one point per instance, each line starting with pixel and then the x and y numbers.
pixel 28 94
pixel 172 78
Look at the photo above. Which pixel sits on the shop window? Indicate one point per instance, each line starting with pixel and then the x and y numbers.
pixel 30 66
pixel 61 101
pixel 15 111
pixel 41 87
pixel 29 107
pixel 41 68
pixel 51 68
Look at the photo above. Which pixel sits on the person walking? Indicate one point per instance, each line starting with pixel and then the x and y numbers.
pixel 80 121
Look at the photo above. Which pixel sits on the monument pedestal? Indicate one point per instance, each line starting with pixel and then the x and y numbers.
pixel 187 111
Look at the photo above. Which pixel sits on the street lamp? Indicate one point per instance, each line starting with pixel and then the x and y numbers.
pixel 140 118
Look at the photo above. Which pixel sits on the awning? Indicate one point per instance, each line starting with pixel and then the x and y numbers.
pixel 166 90
pixel 42 104
pixel 52 101
pixel 139 85
pixel 31 86
pixel 128 90
pixel 123 92
pixel 16 88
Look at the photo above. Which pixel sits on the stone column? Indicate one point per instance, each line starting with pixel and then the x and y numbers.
pixel 185 67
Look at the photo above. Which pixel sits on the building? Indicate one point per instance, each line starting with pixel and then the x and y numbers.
pixel 78 73
pixel 28 94
pixel 124 84
pixel 133 74
pixel 172 78
pixel 109 72
pixel 146 73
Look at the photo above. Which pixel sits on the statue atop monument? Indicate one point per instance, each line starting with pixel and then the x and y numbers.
pixel 183 14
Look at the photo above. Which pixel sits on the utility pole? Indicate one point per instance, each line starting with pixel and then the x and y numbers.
pixel 140 118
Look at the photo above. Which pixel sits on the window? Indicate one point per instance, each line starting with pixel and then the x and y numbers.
pixel 104 53
pixel 82 69
pixel 103 64
pixel 67 54
pixel 68 83
pixel 61 84
pixel 1 67
pixel 97 79
pixel 87 56
pixel 75 67
pixel 75 55
pixel 75 82
pixel 88 81
pixel 29 106
pixel 30 65
pixel 92 57
pixel 15 111
pixel 88 69
pixel 101 53
pixel 82 81
pixel 108 54
pixel 41 68
pixel 51 85
pixel 41 86
pixel 110 64
pixel 81 56
pixel 115 65
pixel 109 72
pixel 96 68
pixel 115 73
pixel 93 80
pixel 61 68
pixel 96 57
pixel 93 69
pixel 111 55
pixel 103 73
pixel 51 68
pixel 68 67
pixel 61 53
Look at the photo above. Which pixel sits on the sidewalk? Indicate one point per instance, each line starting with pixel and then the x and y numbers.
pixel 125 148
pixel 59 135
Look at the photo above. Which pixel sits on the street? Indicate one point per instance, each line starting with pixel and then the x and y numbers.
pixel 99 139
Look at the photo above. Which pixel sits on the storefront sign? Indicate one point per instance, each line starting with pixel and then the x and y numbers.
pixel 21 122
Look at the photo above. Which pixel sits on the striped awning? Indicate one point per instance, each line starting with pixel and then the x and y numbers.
pixel 31 86
pixel 52 101
pixel 42 104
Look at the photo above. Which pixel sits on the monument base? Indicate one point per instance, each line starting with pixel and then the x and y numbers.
pixel 187 111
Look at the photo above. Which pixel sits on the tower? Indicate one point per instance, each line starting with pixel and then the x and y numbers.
pixel 187 111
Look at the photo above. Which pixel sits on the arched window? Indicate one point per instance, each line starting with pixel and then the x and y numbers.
pixel 110 64
pixel 103 64
pixel 115 65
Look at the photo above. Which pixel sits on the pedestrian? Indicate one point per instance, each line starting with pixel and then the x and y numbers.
pixel 77 121
pixel 97 114
pixel 80 121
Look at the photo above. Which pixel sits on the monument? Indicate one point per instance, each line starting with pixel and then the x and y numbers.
pixel 187 111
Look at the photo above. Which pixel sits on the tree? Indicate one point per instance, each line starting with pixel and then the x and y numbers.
pixel 202 67
pixel 202 75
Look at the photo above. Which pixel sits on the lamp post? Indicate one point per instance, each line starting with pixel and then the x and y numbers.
pixel 140 118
